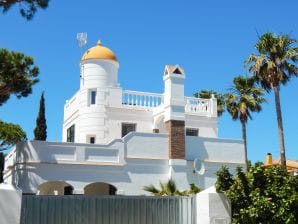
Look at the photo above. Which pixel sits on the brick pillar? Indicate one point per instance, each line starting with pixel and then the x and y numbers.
pixel 176 130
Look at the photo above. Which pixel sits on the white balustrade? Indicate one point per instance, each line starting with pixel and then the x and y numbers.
pixel 145 100
pixel 136 99
pixel 197 105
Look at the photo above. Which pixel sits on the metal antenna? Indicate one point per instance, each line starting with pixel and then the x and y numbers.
pixel 82 39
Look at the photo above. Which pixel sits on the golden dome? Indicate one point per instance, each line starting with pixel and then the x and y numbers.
pixel 99 52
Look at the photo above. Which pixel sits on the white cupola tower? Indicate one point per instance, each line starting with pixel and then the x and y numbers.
pixel 99 68
pixel 98 80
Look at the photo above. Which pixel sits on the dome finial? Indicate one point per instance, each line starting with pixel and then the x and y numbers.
pixel 99 52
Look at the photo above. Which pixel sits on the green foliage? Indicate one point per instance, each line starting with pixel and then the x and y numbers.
pixel 10 134
pixel 275 65
pixel 27 7
pixel 276 62
pixel 224 179
pixel 40 132
pixel 243 98
pixel 169 188
pixel 207 94
pixel 194 189
pixel 263 195
pixel 17 75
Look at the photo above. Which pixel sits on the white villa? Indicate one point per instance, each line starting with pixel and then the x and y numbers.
pixel 120 140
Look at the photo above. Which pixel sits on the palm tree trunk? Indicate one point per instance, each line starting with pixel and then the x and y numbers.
pixel 244 142
pixel 280 127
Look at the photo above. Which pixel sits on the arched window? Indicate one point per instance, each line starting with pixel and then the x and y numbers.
pixel 100 188
pixel 54 188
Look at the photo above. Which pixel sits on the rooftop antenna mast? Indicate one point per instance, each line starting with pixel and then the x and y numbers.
pixel 82 41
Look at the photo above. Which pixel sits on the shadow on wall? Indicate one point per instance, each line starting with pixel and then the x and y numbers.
pixel 211 154
pixel 23 177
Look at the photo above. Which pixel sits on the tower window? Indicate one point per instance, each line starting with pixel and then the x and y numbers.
pixel 127 127
pixel 92 140
pixel 71 133
pixel 192 132
pixel 93 97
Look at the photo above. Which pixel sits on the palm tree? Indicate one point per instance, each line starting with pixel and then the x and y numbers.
pixel 207 94
pixel 169 188
pixel 243 98
pixel 274 66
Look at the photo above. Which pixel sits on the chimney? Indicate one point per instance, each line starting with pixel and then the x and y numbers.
pixel 174 104
pixel 268 161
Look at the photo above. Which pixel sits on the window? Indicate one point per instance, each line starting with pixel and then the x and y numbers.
pixel 71 133
pixel 127 127
pixel 192 132
pixel 92 140
pixel 93 97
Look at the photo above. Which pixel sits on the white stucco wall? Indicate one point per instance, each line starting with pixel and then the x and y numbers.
pixel 214 149
pixel 130 163
pixel 103 119
pixel 212 207
pixel 117 116
pixel 10 204
pixel 99 73
pixel 207 125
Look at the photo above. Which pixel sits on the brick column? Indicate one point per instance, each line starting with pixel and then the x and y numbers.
pixel 176 130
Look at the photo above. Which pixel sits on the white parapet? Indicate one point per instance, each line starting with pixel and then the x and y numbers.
pixel 10 204
pixel 198 106
pixel 213 207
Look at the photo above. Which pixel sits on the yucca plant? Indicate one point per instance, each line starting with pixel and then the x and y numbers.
pixel 169 188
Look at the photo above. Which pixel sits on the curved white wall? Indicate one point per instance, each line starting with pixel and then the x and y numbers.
pixel 99 73
pixel 96 75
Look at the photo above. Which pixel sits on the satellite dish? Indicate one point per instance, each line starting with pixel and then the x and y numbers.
pixel 199 166
pixel 82 39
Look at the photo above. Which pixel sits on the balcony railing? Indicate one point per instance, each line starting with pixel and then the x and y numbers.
pixel 145 100
pixel 135 99
pixel 197 105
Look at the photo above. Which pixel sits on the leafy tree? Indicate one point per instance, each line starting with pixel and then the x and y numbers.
pixel 169 188
pixel 224 179
pixel 274 66
pixel 207 94
pixel 10 134
pixel 17 75
pixel 40 132
pixel 263 195
pixel 27 7
pixel 244 97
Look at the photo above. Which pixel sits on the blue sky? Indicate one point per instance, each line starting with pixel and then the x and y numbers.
pixel 209 39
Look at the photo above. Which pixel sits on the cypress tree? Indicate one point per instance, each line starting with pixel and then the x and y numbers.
pixel 40 132
pixel 1 166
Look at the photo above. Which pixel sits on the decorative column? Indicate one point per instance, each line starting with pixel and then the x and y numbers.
pixel 213 106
